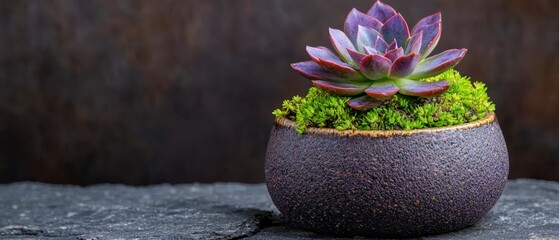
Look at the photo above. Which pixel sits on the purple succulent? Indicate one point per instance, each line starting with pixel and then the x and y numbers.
pixel 378 56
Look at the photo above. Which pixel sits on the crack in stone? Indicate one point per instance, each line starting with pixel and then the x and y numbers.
pixel 263 220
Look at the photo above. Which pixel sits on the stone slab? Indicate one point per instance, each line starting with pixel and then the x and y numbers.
pixel 528 209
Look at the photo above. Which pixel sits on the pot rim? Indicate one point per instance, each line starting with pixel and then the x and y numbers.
pixel 284 122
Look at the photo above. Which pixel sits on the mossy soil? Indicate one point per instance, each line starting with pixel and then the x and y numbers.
pixel 464 102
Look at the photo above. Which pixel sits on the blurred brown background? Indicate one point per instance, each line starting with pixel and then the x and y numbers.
pixel 143 92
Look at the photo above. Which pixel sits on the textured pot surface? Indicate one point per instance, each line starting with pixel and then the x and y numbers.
pixel 386 183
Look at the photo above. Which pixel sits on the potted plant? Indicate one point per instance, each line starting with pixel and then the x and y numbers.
pixel 390 142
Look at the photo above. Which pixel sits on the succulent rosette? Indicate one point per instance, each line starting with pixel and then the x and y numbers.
pixel 377 56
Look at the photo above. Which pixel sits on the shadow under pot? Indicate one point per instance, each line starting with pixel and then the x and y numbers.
pixel 386 183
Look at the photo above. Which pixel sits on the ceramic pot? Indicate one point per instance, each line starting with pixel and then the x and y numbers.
pixel 386 183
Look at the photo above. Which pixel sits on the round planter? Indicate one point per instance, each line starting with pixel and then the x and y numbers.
pixel 386 183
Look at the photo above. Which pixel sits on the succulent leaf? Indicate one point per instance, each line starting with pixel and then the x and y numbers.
pixel 371 50
pixel 439 63
pixel 431 37
pixel 375 67
pixel 394 54
pixel 364 103
pixel 341 43
pixel 392 45
pixel 381 11
pixel 396 28
pixel 381 45
pixel 403 66
pixel 421 89
pixel 383 89
pixel 330 62
pixel 427 21
pixel 322 53
pixel 313 71
pixel 356 56
pixel 356 19
pixel 414 44
pixel 341 89
pixel 345 71
pixel 366 37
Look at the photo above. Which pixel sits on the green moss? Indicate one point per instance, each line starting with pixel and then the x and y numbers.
pixel 463 102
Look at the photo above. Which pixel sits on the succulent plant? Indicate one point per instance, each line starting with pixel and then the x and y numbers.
pixel 378 56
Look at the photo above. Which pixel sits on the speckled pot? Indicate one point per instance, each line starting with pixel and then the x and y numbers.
pixel 386 183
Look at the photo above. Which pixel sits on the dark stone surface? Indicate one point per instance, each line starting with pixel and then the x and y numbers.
pixel 394 185
pixel 528 209
pixel 221 211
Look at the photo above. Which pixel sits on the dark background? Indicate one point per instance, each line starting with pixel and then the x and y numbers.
pixel 143 92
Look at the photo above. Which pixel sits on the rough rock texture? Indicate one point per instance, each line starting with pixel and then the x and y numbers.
pixel 220 211
pixel 528 209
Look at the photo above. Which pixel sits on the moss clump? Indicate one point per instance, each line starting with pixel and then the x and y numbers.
pixel 463 102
